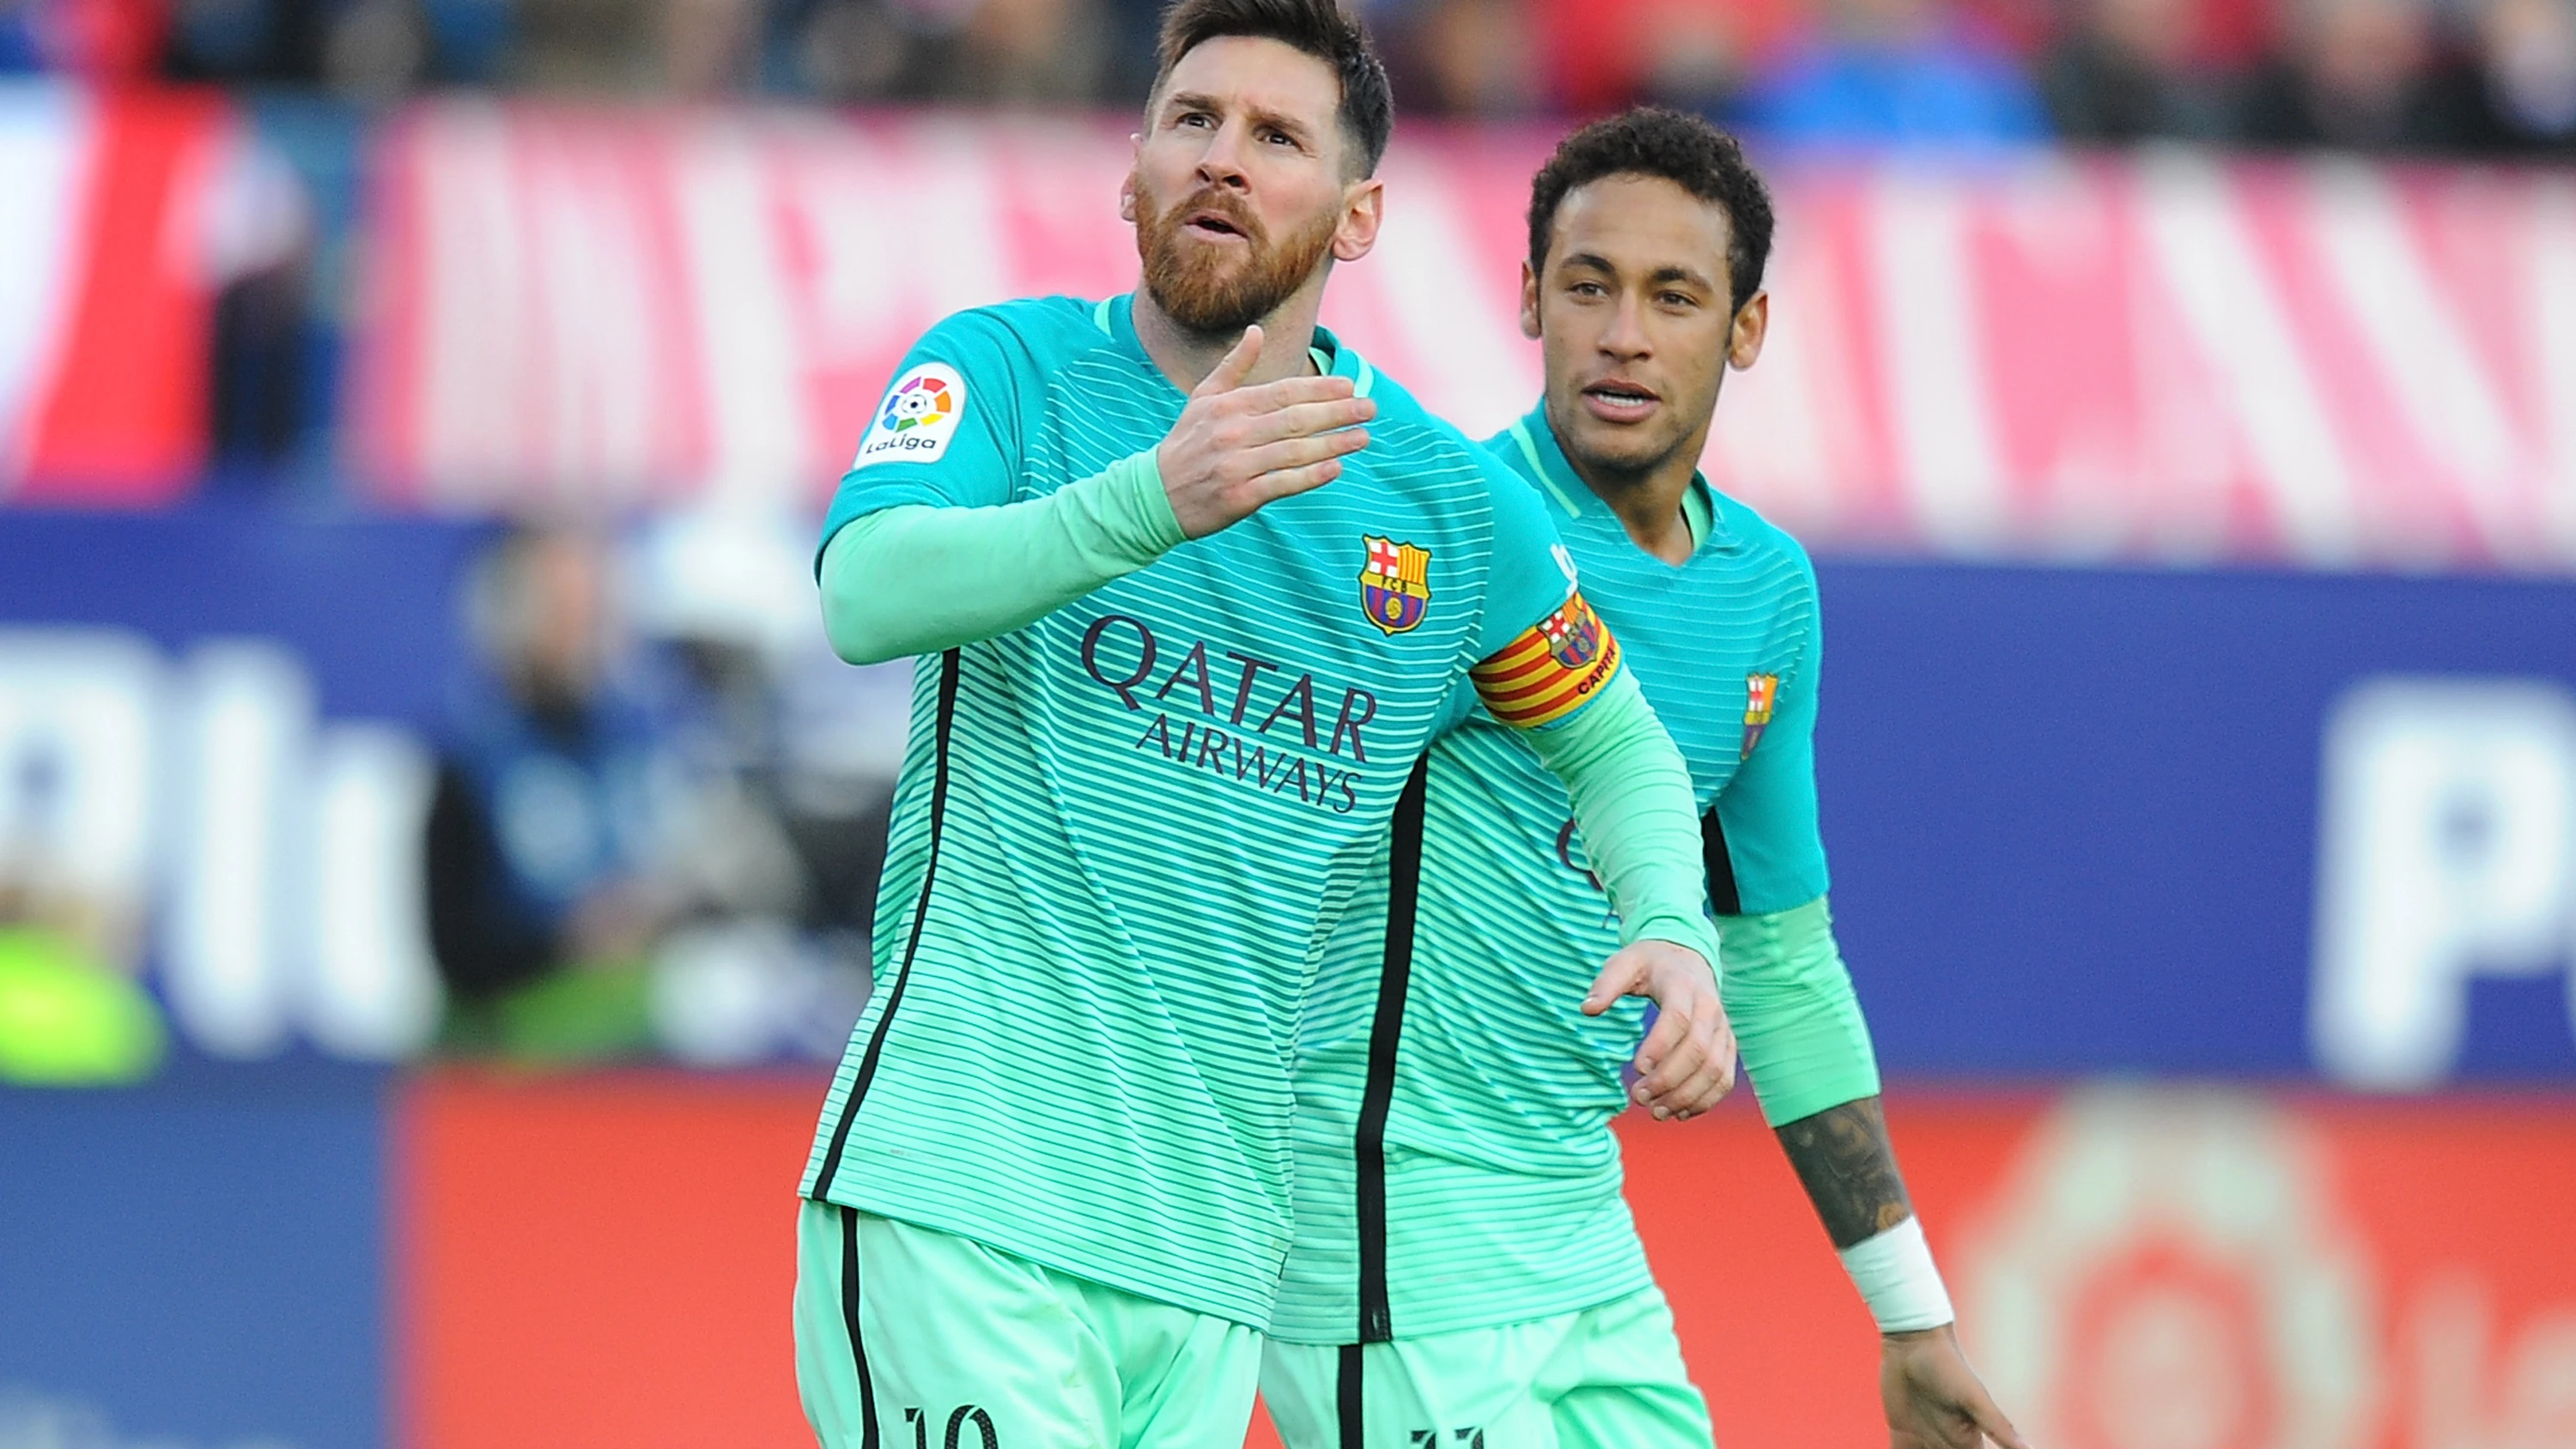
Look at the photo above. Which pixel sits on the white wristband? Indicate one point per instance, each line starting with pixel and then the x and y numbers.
pixel 1895 1276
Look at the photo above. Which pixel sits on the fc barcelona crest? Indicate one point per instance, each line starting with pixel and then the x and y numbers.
pixel 1573 635
pixel 1395 587
pixel 1761 693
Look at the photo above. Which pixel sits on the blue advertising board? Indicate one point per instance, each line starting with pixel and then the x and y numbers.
pixel 198 1264
pixel 2074 818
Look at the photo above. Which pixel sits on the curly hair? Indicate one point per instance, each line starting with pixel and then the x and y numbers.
pixel 1318 28
pixel 1681 149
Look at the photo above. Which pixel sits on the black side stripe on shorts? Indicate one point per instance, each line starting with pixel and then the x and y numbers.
pixel 1346 1396
pixel 850 1317
pixel 1386 1030
pixel 948 669
pixel 1721 866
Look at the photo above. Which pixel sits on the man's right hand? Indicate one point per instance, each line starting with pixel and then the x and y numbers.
pixel 1237 448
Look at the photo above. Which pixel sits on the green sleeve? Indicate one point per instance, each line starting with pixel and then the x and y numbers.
pixel 1632 801
pixel 919 578
pixel 1797 1024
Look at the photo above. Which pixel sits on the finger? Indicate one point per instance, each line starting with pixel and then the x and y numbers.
pixel 1995 1426
pixel 1668 1058
pixel 1299 452
pixel 1287 392
pixel 1233 368
pixel 1620 976
pixel 1305 420
pixel 1288 482
pixel 1703 1090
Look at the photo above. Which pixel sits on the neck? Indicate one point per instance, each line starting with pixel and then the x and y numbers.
pixel 1187 357
pixel 1648 500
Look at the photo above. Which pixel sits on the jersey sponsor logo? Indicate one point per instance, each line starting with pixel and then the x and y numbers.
pixel 1395 586
pixel 1761 692
pixel 1551 669
pixel 919 417
pixel 1262 730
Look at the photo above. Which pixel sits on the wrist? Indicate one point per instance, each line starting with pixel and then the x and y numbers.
pixel 1898 1280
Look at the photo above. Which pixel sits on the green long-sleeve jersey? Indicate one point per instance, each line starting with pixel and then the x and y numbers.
pixel 1454 1165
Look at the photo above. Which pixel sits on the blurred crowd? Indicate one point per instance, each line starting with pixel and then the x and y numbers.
pixel 661 806
pixel 2474 77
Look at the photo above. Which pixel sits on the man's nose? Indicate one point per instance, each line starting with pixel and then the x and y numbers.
pixel 1221 164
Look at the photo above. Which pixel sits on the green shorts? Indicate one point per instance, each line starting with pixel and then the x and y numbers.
pixel 1605 1378
pixel 948 1344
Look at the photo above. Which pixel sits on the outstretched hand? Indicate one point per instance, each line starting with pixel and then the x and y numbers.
pixel 1686 1064
pixel 1237 448
pixel 1933 1398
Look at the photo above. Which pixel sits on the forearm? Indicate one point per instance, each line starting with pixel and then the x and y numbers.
pixel 1844 1160
pixel 1632 801
pixel 1796 1020
pixel 917 579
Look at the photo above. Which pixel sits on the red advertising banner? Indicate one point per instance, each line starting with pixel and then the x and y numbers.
pixel 2324 362
pixel 126 211
pixel 607 1262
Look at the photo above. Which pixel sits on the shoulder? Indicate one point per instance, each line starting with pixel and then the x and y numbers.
pixel 1043 330
pixel 1762 541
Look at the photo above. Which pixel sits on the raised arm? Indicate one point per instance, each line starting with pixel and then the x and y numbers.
pixel 918 577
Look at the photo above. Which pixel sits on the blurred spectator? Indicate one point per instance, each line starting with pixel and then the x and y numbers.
pixel 1460 57
pixel 2133 70
pixel 1599 55
pixel 993 52
pixel 1894 71
pixel 71 1011
pixel 2526 96
pixel 2362 75
pixel 542 907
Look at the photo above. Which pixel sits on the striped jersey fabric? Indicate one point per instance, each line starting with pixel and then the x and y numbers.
pixel 1469 1178
pixel 1124 832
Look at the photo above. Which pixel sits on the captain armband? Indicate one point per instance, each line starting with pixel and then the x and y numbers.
pixel 1548 671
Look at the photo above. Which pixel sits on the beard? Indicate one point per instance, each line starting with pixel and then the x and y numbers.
pixel 1204 290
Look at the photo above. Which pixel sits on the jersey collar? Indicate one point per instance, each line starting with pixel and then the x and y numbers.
pixel 1536 441
pixel 1116 316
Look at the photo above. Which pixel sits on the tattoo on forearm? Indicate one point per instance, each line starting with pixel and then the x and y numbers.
pixel 1843 1157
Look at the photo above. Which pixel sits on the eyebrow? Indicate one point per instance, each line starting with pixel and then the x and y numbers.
pixel 1662 276
pixel 1259 115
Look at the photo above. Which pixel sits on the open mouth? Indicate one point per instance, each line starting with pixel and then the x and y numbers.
pixel 1618 399
pixel 1209 223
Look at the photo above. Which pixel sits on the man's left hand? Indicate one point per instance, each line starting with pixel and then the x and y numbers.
pixel 1933 1398
pixel 1687 1063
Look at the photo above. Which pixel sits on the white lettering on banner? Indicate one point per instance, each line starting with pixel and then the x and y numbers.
pixel 285 851
pixel 2551 247
pixel 471 298
pixel 1436 319
pixel 32 1420
pixel 1932 363
pixel 750 361
pixel 248 727
pixel 41 134
pixel 79 765
pixel 602 405
pixel 2529 1402
pixel 2423 360
pixel 2447 851
pixel 2262 391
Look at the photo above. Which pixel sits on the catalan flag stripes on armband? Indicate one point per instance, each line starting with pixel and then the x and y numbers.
pixel 1551 669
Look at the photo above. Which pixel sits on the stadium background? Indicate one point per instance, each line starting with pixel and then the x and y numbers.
pixel 2193 484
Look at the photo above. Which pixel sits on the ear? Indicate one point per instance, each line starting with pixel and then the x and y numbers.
pixel 1529 300
pixel 1363 211
pixel 1127 199
pixel 1752 324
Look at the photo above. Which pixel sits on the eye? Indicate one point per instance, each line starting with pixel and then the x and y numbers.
pixel 1195 118
pixel 1588 289
pixel 1278 137
pixel 1678 300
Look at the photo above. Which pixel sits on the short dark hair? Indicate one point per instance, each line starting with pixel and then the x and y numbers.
pixel 1317 27
pixel 1682 149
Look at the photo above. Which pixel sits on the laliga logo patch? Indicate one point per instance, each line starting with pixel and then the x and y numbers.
pixel 919 417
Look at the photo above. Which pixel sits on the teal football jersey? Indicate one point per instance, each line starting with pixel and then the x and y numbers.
pixel 1124 832
pixel 1498 1199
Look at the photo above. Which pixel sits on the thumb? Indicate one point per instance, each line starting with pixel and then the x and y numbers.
pixel 1620 976
pixel 1232 368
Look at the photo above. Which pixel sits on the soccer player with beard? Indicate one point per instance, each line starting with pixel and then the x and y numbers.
pixel 1193 587
pixel 1466 1272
